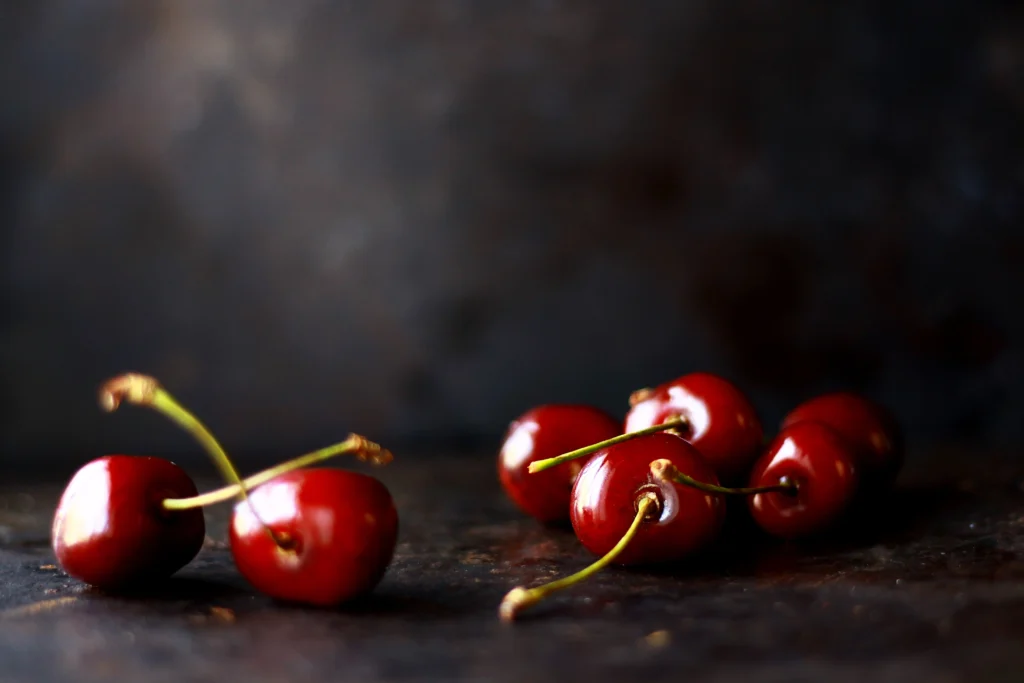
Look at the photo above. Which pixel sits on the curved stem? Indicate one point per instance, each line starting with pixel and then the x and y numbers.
pixel 519 597
pixel 364 450
pixel 541 465
pixel 666 471
pixel 146 391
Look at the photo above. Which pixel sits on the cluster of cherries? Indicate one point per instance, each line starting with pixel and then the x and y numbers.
pixel 653 491
pixel 298 533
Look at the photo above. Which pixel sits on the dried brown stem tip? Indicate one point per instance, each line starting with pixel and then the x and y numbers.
pixel 131 387
pixel 640 395
pixel 664 470
pixel 368 451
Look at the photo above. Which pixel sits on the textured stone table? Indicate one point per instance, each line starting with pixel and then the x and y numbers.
pixel 934 591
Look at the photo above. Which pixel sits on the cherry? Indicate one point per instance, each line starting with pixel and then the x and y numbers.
pixel 719 420
pixel 306 535
pixel 604 501
pixel 821 467
pixel 873 432
pixel 332 535
pixel 624 510
pixel 110 529
pixel 542 433
pixel 123 519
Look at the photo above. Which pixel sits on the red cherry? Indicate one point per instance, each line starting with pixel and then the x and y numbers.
pixel 821 465
pixel 545 432
pixel 110 529
pixel 606 494
pixel 628 508
pixel 723 424
pixel 334 534
pixel 873 432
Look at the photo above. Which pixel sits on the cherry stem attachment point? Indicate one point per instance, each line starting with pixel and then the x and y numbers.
pixel 665 471
pixel 520 598
pixel 362 448
pixel 677 422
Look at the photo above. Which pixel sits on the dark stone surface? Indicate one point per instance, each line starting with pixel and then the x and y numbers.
pixel 416 220
pixel 931 590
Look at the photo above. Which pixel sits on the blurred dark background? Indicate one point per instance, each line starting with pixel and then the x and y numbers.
pixel 417 219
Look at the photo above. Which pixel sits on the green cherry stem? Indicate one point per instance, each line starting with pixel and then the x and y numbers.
pixel 363 449
pixel 674 423
pixel 520 598
pixel 143 390
pixel 666 471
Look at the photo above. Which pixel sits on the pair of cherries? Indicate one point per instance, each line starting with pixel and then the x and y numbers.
pixel 312 535
pixel 639 495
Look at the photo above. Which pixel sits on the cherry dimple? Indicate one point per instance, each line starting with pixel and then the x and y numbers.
pixel 720 421
pixel 820 464
pixel 339 528
pixel 606 494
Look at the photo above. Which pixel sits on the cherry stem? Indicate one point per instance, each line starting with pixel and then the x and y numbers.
pixel 666 471
pixel 364 450
pixel 143 390
pixel 673 423
pixel 146 391
pixel 519 598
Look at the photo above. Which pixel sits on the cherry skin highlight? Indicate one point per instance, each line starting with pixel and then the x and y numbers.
pixel 110 530
pixel 821 463
pixel 873 432
pixel 334 534
pixel 545 432
pixel 606 493
pixel 723 424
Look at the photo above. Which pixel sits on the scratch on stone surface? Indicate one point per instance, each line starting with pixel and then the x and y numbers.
pixel 657 639
pixel 476 557
pixel 38 607
pixel 222 614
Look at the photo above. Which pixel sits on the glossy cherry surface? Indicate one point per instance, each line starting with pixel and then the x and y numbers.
pixel 604 501
pixel 873 432
pixel 723 424
pixel 110 530
pixel 545 432
pixel 337 528
pixel 822 465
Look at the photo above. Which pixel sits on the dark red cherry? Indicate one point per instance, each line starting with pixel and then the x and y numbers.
pixel 605 499
pixel 723 424
pixel 334 534
pixel 545 432
pixel 823 468
pixel 110 530
pixel 873 432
